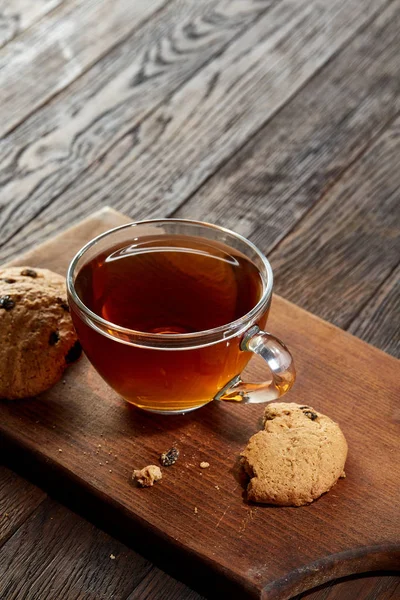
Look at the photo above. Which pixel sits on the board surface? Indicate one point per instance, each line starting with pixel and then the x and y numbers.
pixel 81 442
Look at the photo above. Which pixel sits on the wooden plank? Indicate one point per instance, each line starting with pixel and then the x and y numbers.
pixel 70 241
pixel 18 499
pixel 59 48
pixel 378 323
pixel 291 163
pixel 159 585
pixel 167 156
pixel 339 255
pixel 18 15
pixel 217 547
pixel 56 554
pixel 386 587
pixel 48 151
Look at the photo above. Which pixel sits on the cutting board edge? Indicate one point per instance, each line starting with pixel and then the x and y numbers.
pixel 98 214
pixel 355 561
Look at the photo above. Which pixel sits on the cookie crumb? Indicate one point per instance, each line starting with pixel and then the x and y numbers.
pixel 60 449
pixel 147 476
pixel 195 510
pixel 112 556
pixel 169 457
pixel 217 487
pixel 204 465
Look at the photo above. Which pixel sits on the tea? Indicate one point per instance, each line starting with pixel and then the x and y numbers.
pixel 167 285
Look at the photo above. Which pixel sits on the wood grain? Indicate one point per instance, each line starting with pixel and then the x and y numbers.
pixel 378 323
pixel 41 158
pixel 155 167
pixel 158 585
pixel 352 528
pixel 350 242
pixel 59 48
pixel 18 499
pixel 386 587
pixel 56 554
pixel 275 179
pixel 18 15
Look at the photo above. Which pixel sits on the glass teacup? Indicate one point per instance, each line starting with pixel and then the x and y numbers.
pixel 170 311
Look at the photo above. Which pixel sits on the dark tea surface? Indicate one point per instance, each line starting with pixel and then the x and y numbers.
pixel 170 284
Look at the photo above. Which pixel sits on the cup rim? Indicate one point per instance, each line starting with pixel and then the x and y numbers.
pixel 160 340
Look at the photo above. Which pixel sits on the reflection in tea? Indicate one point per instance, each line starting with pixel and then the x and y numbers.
pixel 171 285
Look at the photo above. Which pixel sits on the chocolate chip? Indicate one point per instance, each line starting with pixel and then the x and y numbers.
pixel 53 338
pixel 29 273
pixel 169 457
pixel 73 353
pixel 7 302
pixel 311 415
pixel 9 280
pixel 63 304
pixel 303 407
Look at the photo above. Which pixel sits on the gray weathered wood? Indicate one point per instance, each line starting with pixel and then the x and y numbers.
pixel 18 500
pixel 336 259
pixel 379 321
pixel 48 151
pixel 59 48
pixel 288 166
pixel 57 555
pixel 165 158
pixel 17 15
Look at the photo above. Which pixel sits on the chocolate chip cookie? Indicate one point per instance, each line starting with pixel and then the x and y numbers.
pixel 298 456
pixel 37 336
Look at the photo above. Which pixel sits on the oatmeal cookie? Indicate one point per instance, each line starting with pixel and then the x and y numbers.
pixel 38 339
pixel 298 456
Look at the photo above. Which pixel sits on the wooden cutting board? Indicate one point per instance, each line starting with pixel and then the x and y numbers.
pixel 81 442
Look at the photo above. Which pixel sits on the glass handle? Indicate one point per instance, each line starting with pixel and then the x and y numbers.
pixel 280 364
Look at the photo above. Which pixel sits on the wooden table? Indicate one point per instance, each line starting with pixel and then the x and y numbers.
pixel 276 118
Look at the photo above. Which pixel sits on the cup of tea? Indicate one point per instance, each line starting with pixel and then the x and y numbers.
pixel 170 311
